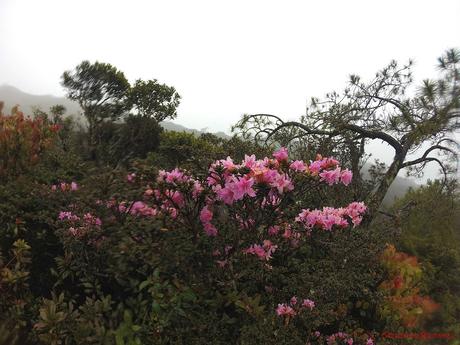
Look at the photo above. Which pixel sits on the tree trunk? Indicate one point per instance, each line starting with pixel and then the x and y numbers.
pixel 375 199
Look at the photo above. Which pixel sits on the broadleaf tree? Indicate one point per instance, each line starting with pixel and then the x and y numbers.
pixel 101 90
pixel 152 99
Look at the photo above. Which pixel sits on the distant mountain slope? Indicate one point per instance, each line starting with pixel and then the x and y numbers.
pixel 171 126
pixel 12 96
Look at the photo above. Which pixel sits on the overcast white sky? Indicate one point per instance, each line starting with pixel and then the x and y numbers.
pixel 225 58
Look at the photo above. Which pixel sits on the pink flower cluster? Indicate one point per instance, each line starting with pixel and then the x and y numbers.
pixel 235 189
pixel 68 215
pixel 329 171
pixel 232 182
pixel 167 198
pixel 65 187
pixel 341 338
pixel 334 176
pixel 328 217
pixel 137 208
pixel 293 308
pixel 263 252
pixel 268 180
pixel 206 217
pixel 79 226
pixel 175 176
pixel 321 164
pixel 281 155
pixel 140 208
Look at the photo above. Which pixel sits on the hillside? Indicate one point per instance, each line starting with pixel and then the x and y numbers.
pixel 12 96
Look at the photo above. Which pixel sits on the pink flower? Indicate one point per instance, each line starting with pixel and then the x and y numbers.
pixel 282 184
pixel 226 195
pixel 175 176
pixel 197 189
pixel 315 167
pixel 140 208
pixel 281 154
pixel 308 303
pixel 355 211
pixel 137 207
pixel 205 215
pixel 317 333
pixel 293 300
pixel 273 230
pixel 330 176
pixel 176 197
pixel 210 229
pixel 63 186
pixel 264 252
pixel 53 187
pixel 346 177
pixel 67 215
pixel 258 250
pixel 89 219
pixel 122 207
pixel 73 186
pixel 249 161
pixel 244 187
pixel 370 342
pixel 298 166
pixel 285 310
pixel 228 164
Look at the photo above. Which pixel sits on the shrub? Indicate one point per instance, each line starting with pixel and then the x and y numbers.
pixel 22 141
pixel 193 260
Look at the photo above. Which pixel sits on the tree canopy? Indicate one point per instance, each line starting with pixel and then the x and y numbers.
pixel 383 109
pixel 105 95
pixel 100 89
pixel 152 99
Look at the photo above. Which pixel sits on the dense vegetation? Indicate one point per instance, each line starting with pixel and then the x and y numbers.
pixel 123 233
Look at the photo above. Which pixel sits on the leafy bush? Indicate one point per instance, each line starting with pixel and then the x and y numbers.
pixel 403 303
pixel 430 231
pixel 22 141
pixel 241 253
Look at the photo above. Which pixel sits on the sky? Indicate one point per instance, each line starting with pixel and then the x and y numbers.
pixel 225 58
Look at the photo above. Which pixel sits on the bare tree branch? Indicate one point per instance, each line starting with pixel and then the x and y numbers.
pixel 425 155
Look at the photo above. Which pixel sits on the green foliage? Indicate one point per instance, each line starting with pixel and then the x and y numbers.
pixel 154 100
pixel 198 152
pixel 430 230
pixel 136 137
pixel 99 88
pixel 145 281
